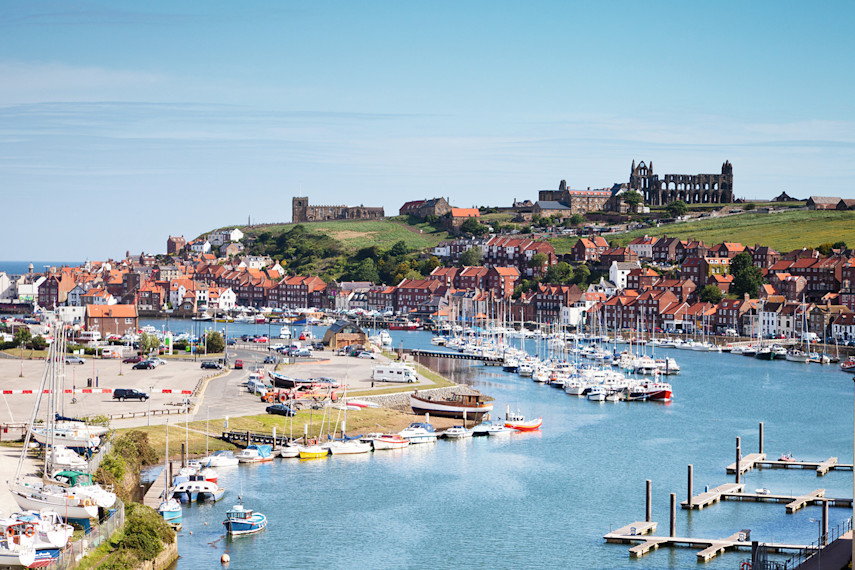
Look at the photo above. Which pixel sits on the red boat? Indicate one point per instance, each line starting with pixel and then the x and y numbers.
pixel 518 422
pixel 658 391
pixel 848 365
pixel 404 326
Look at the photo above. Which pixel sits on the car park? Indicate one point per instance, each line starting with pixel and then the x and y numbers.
pixel 280 410
pixel 132 359
pixel 211 365
pixel 74 360
pixel 123 394
pixel 143 365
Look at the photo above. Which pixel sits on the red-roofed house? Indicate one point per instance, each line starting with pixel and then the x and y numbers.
pixel 502 280
pixel 111 319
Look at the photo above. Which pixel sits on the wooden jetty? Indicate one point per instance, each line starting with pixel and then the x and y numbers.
pixel 244 438
pixel 747 463
pixel 454 355
pixel 712 496
pixel 821 467
pixel 154 495
pixel 710 547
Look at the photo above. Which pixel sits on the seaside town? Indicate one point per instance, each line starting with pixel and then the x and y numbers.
pixel 397 285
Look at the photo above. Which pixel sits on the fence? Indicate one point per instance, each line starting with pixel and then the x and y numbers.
pixel 760 558
pixel 95 535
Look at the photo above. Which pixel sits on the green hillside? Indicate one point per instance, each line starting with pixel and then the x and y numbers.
pixel 354 235
pixel 783 231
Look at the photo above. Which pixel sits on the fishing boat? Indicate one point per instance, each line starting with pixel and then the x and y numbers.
pixel 255 453
pixel 170 509
pixel 518 422
pixel 240 520
pixel 658 391
pixel 389 441
pixel 419 432
pixel 222 458
pixel 765 353
pixel 17 550
pixel 597 394
pixel 466 403
pixel 457 432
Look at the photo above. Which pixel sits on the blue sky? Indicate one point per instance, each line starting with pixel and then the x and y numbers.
pixel 124 122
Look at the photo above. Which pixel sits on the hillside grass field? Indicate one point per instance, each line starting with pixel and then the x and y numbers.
pixel 357 234
pixel 783 231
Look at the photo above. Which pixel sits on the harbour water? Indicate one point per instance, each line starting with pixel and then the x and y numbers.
pixel 545 499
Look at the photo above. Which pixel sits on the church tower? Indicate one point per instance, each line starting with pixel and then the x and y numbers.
pixel 299 209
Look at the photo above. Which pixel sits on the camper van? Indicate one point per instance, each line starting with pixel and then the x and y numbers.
pixel 394 372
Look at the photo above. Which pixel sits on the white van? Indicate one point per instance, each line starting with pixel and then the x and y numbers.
pixel 394 372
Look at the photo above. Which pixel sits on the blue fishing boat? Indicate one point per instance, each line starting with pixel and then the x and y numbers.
pixel 170 509
pixel 240 520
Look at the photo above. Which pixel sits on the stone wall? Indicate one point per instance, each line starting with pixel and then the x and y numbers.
pixel 401 400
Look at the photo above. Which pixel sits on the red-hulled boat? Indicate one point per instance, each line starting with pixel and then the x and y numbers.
pixel 848 365
pixel 658 391
pixel 518 422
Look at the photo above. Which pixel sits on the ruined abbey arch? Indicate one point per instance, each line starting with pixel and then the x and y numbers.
pixel 690 188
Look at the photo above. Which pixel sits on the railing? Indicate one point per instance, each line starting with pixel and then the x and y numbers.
pixel 95 535
pixel 762 562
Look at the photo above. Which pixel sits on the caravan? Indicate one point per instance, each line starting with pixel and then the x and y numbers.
pixel 394 372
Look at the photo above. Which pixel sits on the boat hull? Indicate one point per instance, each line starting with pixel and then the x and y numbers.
pixel 29 503
pixel 381 444
pixel 531 425
pixel 447 409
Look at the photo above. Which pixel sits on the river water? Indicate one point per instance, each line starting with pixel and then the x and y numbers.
pixel 546 499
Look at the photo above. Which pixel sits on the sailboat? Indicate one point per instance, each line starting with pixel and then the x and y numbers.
pixel 348 446
pixel 44 494
pixel 170 507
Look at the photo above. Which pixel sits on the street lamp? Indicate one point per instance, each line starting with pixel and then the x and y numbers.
pixel 818 542
pixel 150 392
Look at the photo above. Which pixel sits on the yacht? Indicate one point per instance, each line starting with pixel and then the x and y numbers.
pixel 419 432
pixel 457 432
pixel 220 459
pixel 349 447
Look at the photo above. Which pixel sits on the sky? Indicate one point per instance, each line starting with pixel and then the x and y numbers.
pixel 122 123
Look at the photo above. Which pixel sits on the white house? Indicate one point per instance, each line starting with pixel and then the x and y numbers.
pixel 6 290
pixel 572 316
pixel 769 313
pixel 255 261
pixel 74 295
pixel 225 236
pixel 843 326
pixel 443 250
pixel 71 315
pixel 200 246
pixel 619 270
pixel 28 290
pixel 642 246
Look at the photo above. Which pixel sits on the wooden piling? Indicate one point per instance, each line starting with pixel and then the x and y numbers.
pixel 648 511
pixel 673 514
pixel 183 456
pixel 824 536
pixel 738 458
pixel 760 450
pixel 690 484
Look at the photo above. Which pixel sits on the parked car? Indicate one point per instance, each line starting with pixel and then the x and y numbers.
pixel 156 361
pixel 123 394
pixel 74 360
pixel 132 359
pixel 280 410
pixel 211 365
pixel 144 365
pixel 366 354
pixel 261 339
pixel 238 364
pixel 305 351
pixel 270 360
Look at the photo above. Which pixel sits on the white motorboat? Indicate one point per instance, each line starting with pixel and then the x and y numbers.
pixel 82 484
pixel 796 356
pixel 597 394
pixel 200 490
pixel 255 454
pixel 438 341
pixel 498 428
pixel 525 370
pixel 419 432
pixel 349 447
pixel 457 432
pixel 222 458
pixel 385 338
pixel 667 366
pixel 389 441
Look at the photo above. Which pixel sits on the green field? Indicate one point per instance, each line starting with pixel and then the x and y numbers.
pixel 783 231
pixel 356 234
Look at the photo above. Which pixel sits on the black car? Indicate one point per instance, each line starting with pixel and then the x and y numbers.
pixel 270 360
pixel 211 365
pixel 144 365
pixel 280 410
pixel 122 394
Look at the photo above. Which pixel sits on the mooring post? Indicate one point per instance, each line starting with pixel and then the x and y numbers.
pixel 183 458
pixel 648 511
pixel 673 514
pixel 738 457
pixel 690 485
pixel 761 437
pixel 274 438
pixel 824 536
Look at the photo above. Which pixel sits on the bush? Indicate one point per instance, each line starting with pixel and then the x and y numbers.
pixel 145 532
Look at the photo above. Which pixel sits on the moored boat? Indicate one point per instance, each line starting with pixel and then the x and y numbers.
pixel 255 453
pixel 240 520
pixel 419 432
pixel 518 422
pixel 457 432
pixel 465 403
pixel 389 441
pixel 313 451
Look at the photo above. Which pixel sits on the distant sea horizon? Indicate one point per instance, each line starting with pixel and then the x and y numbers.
pixel 20 267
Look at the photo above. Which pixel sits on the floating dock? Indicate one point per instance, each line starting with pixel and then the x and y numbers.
pixel 712 496
pixel 710 547
pixel 821 467
pixel 747 463
pixel 455 355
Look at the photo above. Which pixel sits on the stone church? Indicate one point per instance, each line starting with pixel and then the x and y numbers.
pixel 301 211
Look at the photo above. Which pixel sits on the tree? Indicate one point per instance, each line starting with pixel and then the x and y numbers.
pixel 581 276
pixel 214 342
pixel 632 199
pixel 365 271
pixel 474 227
pixel 537 260
pixel 471 256
pixel 400 248
pixel 559 274
pixel 824 248
pixel 429 265
pixel 711 294
pixel 148 343
pixel 526 229
pixel 497 226
pixel 839 245
pixel 577 219
pixel 22 335
pixel 39 342
pixel 749 206
pixel 677 208
pixel 747 277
